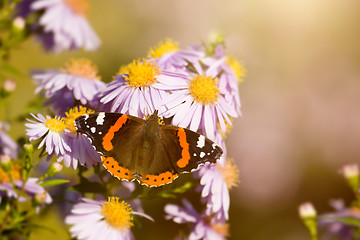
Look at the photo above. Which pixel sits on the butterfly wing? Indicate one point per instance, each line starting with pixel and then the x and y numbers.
pixel 113 135
pixel 187 149
pixel 132 149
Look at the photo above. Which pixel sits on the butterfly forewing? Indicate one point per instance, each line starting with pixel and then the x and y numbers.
pixel 189 149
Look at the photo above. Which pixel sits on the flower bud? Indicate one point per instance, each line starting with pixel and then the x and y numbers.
pixel 351 174
pixel 19 23
pixel 5 162
pixel 40 198
pixel 9 85
pixel 308 214
pixel 307 210
pixel 54 169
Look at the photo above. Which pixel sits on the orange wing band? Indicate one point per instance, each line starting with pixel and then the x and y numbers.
pixel 158 180
pixel 107 145
pixel 185 154
pixel 113 167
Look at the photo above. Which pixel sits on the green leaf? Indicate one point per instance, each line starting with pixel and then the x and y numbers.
pixel 54 182
pixel 183 188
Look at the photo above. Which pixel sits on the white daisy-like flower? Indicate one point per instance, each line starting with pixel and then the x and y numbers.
pixel 65 26
pixel 77 81
pixel 52 129
pixel 168 55
pixel 111 220
pixel 202 225
pixel 199 103
pixel 216 180
pixel 138 89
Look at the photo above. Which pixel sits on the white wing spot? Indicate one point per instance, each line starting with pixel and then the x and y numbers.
pixel 202 154
pixel 100 118
pixel 87 126
pixel 86 116
pixel 93 129
pixel 201 142
pixel 194 154
pixel 100 133
pixel 214 145
pixel 208 153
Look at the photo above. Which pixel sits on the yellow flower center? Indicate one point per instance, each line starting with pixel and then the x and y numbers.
pixel 55 124
pixel 239 69
pixel 72 114
pixel 82 68
pixel 80 7
pixel 142 74
pixel 230 173
pixel 163 47
pixel 203 89
pixel 15 173
pixel 117 214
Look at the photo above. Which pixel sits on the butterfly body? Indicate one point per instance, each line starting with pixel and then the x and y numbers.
pixel 145 150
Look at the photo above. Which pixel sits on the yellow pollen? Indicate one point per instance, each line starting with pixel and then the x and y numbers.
pixel 72 114
pixel 80 7
pixel 117 214
pixel 163 47
pixel 55 124
pixel 221 229
pixel 82 68
pixel 15 173
pixel 230 173
pixel 142 73
pixel 239 69
pixel 203 89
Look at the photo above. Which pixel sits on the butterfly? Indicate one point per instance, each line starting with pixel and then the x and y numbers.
pixel 152 153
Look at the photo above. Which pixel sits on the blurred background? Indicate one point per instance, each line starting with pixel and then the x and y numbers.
pixel 300 98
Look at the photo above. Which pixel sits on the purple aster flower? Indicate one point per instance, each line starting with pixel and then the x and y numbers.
pixel 168 55
pixel 216 180
pixel 112 220
pixel 7 145
pixel 32 188
pixel 52 132
pixel 202 226
pixel 77 81
pixel 230 73
pixel 335 227
pixel 60 139
pixel 200 103
pixel 64 25
pixel 141 89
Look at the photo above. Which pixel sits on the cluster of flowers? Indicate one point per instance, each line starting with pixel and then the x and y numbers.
pixel 60 25
pixel 344 222
pixel 195 88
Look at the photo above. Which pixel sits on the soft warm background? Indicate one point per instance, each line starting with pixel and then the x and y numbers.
pixel 301 111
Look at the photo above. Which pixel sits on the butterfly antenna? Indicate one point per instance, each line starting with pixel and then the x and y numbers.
pixel 171 108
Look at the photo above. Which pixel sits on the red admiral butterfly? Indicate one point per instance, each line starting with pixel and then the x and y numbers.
pixel 145 150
